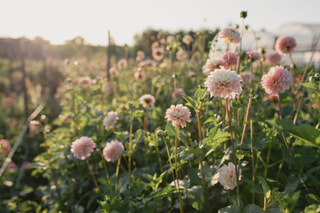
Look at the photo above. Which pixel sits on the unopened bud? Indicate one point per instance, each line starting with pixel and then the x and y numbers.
pixel 243 14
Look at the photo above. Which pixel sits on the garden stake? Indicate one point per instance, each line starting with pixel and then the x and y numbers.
pixel 117 173
pixel 93 177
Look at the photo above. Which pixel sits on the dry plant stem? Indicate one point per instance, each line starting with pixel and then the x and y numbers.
pixel 117 174
pixel 159 158
pixel 245 123
pixel 204 184
pixel 234 156
pixel 176 163
pixel 252 157
pixel 169 157
pixel 145 123
pixel 92 175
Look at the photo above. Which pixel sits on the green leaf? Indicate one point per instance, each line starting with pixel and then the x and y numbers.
pixel 311 86
pixel 253 208
pixel 192 102
pixel 314 197
pixel 229 209
pixel 265 186
pixel 308 135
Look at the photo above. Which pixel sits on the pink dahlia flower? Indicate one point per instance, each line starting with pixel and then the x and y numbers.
pixel 277 80
pixel 210 65
pixel 5 146
pixel 110 120
pixel 147 100
pixel 158 53
pixel 82 147
pixel 230 35
pixel 122 64
pixel 273 59
pixel 176 93
pixel 229 59
pixel 253 55
pixel 85 81
pixel 285 44
pixel 179 115
pixel 247 78
pixel 227 176
pixel 113 151
pixel 187 39
pixel 181 54
pixel 223 83
pixel 140 55
pixel 139 75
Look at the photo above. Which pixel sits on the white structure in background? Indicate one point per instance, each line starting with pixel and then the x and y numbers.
pixel 305 35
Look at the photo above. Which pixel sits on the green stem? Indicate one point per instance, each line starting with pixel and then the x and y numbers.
pixel 130 152
pixel 204 184
pixel 106 170
pixel 252 158
pixel 234 156
pixel 245 123
pixel 176 164
pixel 93 177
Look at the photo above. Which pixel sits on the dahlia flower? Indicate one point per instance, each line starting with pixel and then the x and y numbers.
pixel 181 54
pixel 277 80
pixel 285 44
pixel 187 39
pixel 273 59
pixel 147 100
pixel 157 53
pixel 179 115
pixel 229 59
pixel 113 151
pixel 139 75
pixel 230 35
pixel 223 83
pixel 227 176
pixel 253 55
pixel 82 148
pixel 5 146
pixel 247 78
pixel 176 93
pixel 210 65
pixel 110 120
pixel 122 64
pixel 85 81
pixel 140 55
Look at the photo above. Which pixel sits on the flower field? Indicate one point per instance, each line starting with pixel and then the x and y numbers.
pixel 179 130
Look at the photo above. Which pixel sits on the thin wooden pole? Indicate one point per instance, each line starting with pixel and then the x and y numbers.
pixel 23 70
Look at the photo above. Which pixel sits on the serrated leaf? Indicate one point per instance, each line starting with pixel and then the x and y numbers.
pixel 311 86
pixel 309 135
pixel 192 102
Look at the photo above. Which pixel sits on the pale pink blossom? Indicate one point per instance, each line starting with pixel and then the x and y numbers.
pixel 140 55
pixel 82 147
pixel 227 176
pixel 139 75
pixel 273 58
pixel 147 100
pixel 229 59
pixel 176 93
pixel 247 78
pixel 181 54
pixel 253 55
pixel 285 44
pixel 277 80
pixel 158 53
pixel 11 166
pixel 210 65
pixel 223 83
pixel 110 120
pixel 146 63
pixel 85 81
pixel 122 64
pixel 179 115
pixel 170 39
pixel 5 146
pixel 113 151
pixel 230 35
pixel 187 39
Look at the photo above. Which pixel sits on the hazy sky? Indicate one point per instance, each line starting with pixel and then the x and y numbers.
pixel 60 20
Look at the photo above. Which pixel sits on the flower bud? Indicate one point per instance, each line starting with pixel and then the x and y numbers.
pixel 160 133
pixel 243 14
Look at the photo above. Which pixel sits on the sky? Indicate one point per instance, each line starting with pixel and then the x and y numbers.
pixel 61 20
